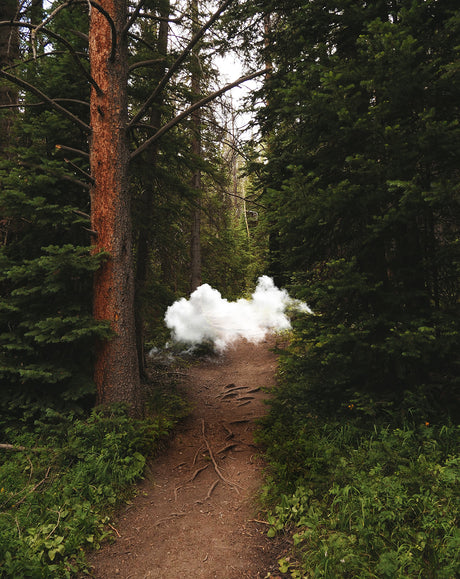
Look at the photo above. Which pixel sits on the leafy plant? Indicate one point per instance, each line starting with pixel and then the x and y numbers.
pixel 61 485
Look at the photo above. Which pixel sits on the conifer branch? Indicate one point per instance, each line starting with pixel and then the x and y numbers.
pixel 36 91
pixel 37 27
pixel 59 38
pixel 180 59
pixel 172 123
pixel 144 63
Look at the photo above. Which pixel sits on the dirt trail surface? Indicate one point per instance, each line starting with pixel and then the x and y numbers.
pixel 196 515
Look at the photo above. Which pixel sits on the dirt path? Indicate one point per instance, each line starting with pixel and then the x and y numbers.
pixel 195 516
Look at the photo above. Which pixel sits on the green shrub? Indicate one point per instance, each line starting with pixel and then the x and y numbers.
pixel 366 503
pixel 57 495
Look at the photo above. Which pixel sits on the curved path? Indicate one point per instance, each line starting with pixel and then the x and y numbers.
pixel 195 515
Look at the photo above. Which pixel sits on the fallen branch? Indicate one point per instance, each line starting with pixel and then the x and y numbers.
pixel 114 529
pixel 6 446
pixel 33 489
pixel 12 447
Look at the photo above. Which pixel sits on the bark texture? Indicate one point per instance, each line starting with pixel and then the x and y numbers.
pixel 116 368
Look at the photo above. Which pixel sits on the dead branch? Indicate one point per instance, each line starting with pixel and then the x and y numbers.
pixel 34 90
pixel 144 63
pixel 59 38
pixel 81 213
pixel 165 128
pixel 79 170
pixel 33 489
pixel 78 152
pixel 133 17
pixel 111 24
pixel 44 22
pixel 12 447
pixel 180 59
pixel 114 529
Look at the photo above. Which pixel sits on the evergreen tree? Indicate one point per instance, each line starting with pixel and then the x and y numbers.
pixel 47 331
pixel 362 185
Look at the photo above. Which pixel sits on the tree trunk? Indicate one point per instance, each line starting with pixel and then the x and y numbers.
pixel 146 201
pixel 116 367
pixel 195 241
pixel 9 52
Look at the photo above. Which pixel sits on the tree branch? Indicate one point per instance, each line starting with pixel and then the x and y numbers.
pixel 133 17
pixel 164 129
pixel 80 170
pixel 180 59
pixel 37 27
pixel 146 63
pixel 59 38
pixel 78 152
pixel 24 105
pixel 33 89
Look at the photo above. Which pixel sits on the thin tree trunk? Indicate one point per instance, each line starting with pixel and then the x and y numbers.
pixel 116 367
pixel 195 241
pixel 146 201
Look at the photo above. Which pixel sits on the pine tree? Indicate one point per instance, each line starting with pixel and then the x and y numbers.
pixel 47 330
pixel 362 185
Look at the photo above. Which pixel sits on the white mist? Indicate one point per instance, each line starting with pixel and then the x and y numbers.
pixel 206 316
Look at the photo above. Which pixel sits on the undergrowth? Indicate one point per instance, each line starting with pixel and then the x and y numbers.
pixel 62 480
pixel 364 501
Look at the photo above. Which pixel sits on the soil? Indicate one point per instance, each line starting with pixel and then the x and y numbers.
pixel 196 512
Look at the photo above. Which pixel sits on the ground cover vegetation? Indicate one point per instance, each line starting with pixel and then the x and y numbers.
pixel 360 179
pixel 66 466
pixel 356 181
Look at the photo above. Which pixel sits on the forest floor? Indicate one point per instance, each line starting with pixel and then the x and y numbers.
pixel 195 515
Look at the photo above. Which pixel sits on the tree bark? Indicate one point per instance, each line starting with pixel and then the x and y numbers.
pixel 147 198
pixel 195 240
pixel 116 367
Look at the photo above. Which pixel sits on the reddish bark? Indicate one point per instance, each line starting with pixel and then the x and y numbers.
pixel 116 367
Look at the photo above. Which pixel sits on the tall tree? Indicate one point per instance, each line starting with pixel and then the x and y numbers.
pixel 196 74
pixel 362 187
pixel 117 371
